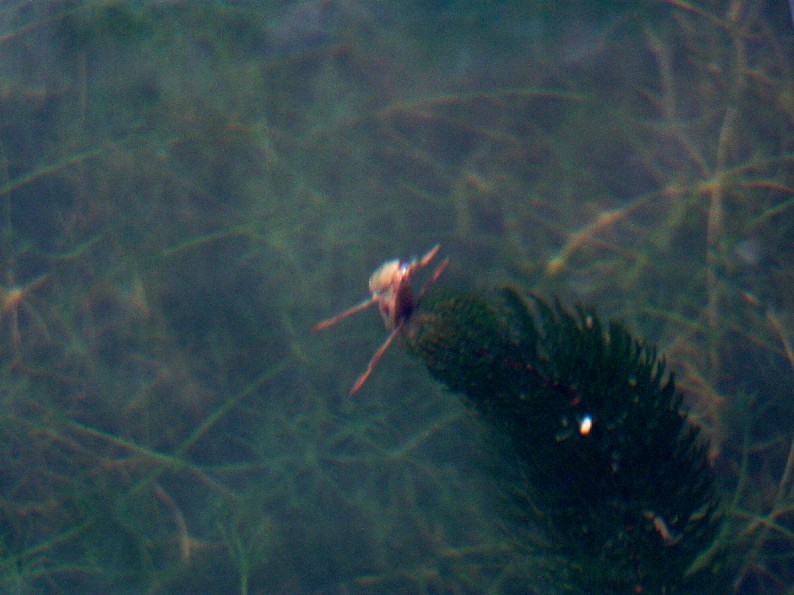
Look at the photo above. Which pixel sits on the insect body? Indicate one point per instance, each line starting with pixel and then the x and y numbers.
pixel 390 288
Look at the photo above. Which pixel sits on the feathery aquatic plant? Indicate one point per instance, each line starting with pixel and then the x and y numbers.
pixel 616 470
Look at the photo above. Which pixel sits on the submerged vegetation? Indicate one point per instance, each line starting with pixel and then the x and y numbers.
pixel 617 476
pixel 185 188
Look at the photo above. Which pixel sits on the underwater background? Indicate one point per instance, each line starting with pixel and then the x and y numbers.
pixel 187 187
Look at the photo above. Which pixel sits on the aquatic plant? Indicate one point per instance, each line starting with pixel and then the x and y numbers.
pixel 616 472
pixel 187 187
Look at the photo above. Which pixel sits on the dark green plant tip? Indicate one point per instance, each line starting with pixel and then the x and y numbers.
pixel 614 464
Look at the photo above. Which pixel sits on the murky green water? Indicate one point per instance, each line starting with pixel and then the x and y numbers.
pixel 187 187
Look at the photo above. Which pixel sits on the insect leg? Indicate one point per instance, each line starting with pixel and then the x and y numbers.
pixel 429 256
pixel 342 315
pixel 375 359
pixel 434 277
